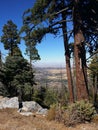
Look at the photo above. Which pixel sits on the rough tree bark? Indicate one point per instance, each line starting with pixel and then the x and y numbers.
pixel 79 52
pixel 67 58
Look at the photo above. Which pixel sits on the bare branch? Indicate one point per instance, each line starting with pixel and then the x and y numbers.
pixel 60 22
pixel 61 11
pixel 92 55
pixel 70 34
pixel 71 31
pixel 91 70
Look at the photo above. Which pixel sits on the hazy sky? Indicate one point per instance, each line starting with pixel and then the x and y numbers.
pixel 51 49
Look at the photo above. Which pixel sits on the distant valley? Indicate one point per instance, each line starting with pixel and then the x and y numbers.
pixel 51 77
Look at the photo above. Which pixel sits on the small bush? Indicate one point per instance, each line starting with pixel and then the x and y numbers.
pixel 59 113
pixel 78 112
pixel 51 113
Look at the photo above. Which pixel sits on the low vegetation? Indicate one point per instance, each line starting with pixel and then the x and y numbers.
pixel 10 119
pixel 75 113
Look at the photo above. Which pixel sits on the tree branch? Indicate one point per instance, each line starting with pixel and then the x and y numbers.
pixel 92 55
pixel 71 31
pixel 91 70
pixel 60 11
pixel 60 22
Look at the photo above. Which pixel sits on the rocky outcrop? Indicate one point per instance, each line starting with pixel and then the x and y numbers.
pixel 31 106
pixel 28 106
pixel 9 102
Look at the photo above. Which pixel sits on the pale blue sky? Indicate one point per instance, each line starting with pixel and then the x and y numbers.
pixel 51 49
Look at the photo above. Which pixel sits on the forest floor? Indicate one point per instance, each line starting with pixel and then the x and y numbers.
pixel 10 119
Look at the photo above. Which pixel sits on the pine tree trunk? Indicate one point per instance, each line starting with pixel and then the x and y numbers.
pixel 69 76
pixel 67 59
pixel 79 52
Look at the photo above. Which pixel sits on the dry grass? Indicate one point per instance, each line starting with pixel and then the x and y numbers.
pixel 10 119
pixel 95 119
pixel 51 114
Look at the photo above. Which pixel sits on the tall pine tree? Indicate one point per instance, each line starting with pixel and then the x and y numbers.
pixel 10 37
pixel 51 17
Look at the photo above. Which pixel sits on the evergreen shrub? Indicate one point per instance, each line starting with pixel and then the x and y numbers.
pixel 78 112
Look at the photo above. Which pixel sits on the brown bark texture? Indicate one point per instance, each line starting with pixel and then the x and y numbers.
pixel 79 52
pixel 67 58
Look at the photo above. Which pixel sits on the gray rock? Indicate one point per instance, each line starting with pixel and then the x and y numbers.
pixel 31 106
pixel 9 103
pixel 28 106
pixel 42 111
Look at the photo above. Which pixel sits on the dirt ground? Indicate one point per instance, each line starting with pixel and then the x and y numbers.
pixel 10 119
